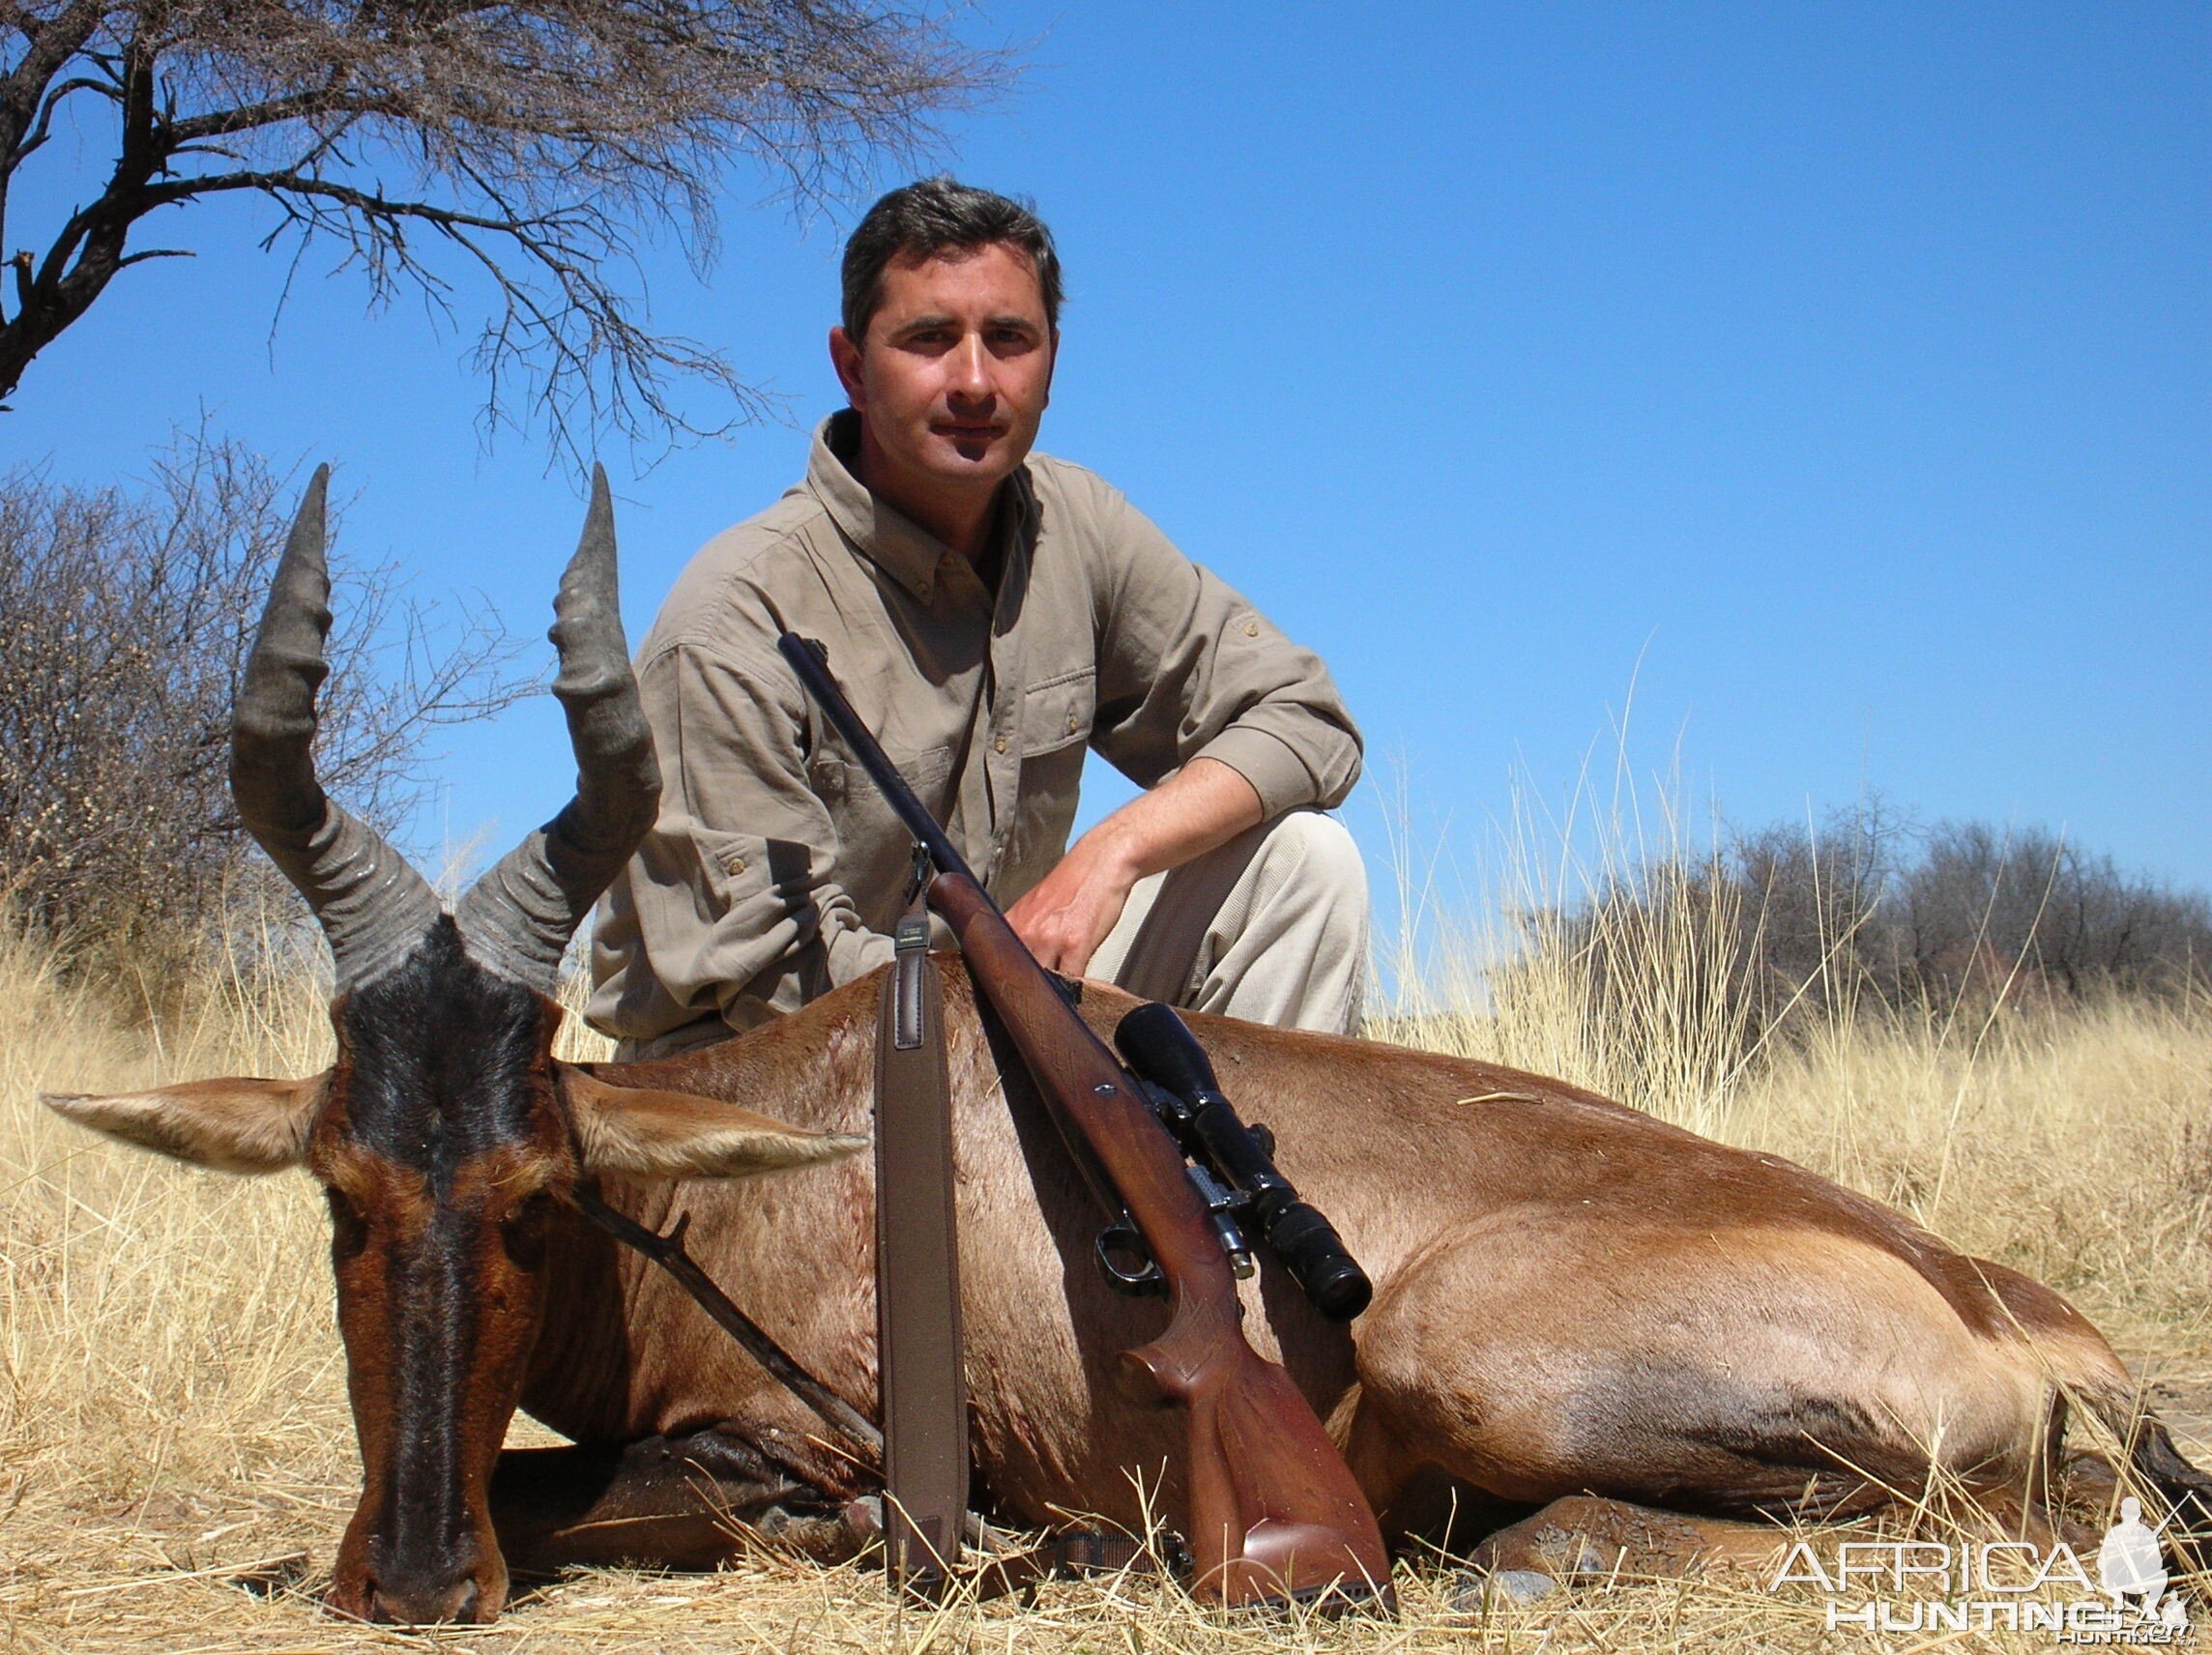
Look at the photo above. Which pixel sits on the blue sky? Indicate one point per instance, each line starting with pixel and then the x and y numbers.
pixel 1834 375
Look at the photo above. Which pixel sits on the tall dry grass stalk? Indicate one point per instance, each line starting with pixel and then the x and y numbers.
pixel 167 1336
pixel 1544 967
pixel 2073 1143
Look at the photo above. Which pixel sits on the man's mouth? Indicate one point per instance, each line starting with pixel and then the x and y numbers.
pixel 970 433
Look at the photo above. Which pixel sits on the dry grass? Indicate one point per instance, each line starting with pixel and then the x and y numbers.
pixel 176 1458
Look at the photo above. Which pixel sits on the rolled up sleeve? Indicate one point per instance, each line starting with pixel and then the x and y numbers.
pixel 1189 669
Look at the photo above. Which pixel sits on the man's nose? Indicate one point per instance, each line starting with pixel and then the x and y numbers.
pixel 969 369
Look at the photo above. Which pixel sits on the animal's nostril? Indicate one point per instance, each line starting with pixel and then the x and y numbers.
pixel 428 1606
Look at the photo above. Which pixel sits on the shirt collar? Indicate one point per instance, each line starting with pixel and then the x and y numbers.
pixel 894 541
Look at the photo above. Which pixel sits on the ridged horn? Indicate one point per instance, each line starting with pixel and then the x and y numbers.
pixel 372 906
pixel 517 919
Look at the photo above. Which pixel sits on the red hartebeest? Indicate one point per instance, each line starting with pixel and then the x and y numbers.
pixel 1571 1297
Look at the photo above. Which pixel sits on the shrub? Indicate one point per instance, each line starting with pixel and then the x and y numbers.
pixel 1868 911
pixel 125 619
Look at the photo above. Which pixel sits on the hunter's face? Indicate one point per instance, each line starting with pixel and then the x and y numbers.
pixel 954 373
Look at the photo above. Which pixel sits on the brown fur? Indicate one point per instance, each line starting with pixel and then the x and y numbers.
pixel 500 1197
pixel 1570 1295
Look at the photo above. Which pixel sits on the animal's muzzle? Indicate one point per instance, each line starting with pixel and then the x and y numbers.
pixel 428 1603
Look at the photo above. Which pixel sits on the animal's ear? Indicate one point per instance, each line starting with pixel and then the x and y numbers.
pixel 235 1126
pixel 647 1133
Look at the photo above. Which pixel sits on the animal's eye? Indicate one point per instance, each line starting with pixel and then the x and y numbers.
pixel 349 1230
pixel 523 1230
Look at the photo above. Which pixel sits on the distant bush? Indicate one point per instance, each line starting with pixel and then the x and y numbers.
pixel 1980 900
pixel 1870 911
pixel 125 619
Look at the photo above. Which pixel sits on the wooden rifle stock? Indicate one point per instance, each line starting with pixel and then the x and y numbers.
pixel 1275 1512
pixel 1275 1509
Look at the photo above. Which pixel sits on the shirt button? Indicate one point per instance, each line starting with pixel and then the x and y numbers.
pixel 1074 722
pixel 1251 628
pixel 736 865
pixel 1000 745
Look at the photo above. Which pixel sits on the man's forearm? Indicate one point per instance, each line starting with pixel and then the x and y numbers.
pixel 1064 918
pixel 1204 806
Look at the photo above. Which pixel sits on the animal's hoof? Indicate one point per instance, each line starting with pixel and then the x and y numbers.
pixel 1516 1587
pixel 863 1519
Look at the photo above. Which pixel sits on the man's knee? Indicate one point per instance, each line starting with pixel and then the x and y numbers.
pixel 1316 854
pixel 1290 945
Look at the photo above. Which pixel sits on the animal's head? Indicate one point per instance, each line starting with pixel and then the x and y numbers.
pixel 445 1131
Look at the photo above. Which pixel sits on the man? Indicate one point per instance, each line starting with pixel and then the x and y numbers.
pixel 990 613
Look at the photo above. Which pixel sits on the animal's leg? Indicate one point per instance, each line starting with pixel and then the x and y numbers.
pixel 1415 1500
pixel 1585 1537
pixel 1764 1371
pixel 2098 1380
pixel 689 1502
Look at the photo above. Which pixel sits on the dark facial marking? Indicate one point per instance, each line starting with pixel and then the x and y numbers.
pixel 437 1152
pixel 446 1062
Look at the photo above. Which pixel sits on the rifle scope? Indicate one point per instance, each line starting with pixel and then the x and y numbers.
pixel 1161 1047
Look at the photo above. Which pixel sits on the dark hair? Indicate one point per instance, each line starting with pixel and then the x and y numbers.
pixel 935 216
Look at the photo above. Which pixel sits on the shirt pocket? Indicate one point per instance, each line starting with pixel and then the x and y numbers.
pixel 1059 712
pixel 873 852
pixel 840 782
pixel 1055 732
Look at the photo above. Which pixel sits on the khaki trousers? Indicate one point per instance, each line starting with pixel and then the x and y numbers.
pixel 1270 927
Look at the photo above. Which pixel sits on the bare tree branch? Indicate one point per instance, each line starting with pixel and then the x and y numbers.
pixel 540 142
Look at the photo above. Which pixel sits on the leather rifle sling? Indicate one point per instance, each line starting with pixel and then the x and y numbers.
pixel 918 1274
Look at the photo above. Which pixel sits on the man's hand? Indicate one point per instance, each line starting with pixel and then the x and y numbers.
pixel 1068 913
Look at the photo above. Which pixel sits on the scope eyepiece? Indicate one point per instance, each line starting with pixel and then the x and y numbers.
pixel 1160 1048
pixel 1318 1261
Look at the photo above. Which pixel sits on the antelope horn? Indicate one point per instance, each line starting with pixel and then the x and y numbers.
pixel 372 906
pixel 517 919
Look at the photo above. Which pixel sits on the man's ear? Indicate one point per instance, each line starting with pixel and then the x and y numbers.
pixel 845 358
pixel 235 1126
pixel 647 1133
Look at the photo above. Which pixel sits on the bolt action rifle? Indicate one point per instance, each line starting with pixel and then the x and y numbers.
pixel 1274 1510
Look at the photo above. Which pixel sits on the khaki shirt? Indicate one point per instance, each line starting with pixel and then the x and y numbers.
pixel 775 871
